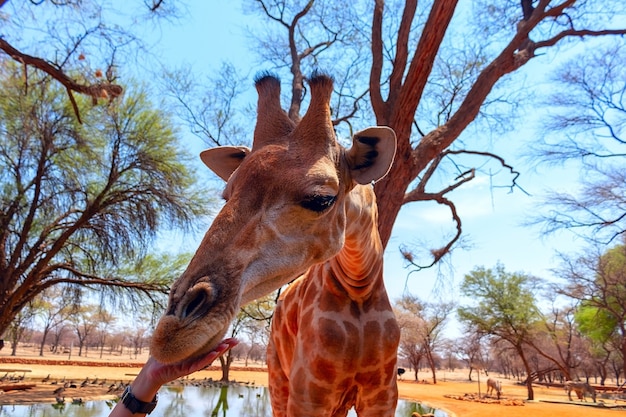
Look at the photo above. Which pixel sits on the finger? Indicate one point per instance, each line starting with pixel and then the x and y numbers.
pixel 222 348
pixel 231 342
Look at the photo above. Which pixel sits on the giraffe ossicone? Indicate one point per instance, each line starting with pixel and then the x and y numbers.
pixel 296 204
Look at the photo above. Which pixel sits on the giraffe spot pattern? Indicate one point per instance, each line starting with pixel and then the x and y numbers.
pixel 323 370
pixel 332 336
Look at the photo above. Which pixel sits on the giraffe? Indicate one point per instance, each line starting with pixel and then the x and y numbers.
pixel 297 204
pixel 334 336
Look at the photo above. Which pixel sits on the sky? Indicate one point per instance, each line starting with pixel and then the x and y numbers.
pixel 492 218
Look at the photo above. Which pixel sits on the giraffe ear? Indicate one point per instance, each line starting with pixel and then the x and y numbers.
pixel 371 154
pixel 224 160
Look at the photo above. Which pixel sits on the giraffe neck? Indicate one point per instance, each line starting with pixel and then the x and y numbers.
pixel 359 264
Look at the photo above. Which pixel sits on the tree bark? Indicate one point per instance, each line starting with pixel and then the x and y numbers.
pixel 529 381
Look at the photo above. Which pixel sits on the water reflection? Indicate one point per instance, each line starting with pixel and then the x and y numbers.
pixel 179 401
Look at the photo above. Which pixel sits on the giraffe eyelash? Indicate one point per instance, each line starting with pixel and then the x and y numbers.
pixel 319 203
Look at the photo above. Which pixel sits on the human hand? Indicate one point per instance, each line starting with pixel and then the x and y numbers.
pixel 154 374
pixel 163 373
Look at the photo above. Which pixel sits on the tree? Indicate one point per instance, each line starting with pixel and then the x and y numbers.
pixel 410 347
pixel 422 326
pixel 52 307
pixel 19 326
pixel 600 337
pixel 104 321
pixel 210 107
pixel 534 31
pixel 428 77
pixel 560 342
pixel 137 338
pixel 84 320
pixel 586 126
pixel 598 281
pixel 256 324
pixel 58 334
pixel 79 203
pixel 504 307
pixel 82 43
pixel 470 349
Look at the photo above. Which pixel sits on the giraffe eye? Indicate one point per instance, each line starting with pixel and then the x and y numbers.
pixel 319 203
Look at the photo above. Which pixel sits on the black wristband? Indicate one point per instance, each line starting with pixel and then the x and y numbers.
pixel 136 406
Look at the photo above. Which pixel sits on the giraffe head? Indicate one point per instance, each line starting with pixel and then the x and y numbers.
pixel 285 211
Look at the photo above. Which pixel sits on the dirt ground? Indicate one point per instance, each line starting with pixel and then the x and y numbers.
pixel 49 373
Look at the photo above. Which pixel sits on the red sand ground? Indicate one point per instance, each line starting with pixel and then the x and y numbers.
pixel 447 394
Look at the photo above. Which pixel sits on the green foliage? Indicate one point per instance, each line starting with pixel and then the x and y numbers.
pixel 503 305
pixel 81 204
pixel 595 323
pixel 601 290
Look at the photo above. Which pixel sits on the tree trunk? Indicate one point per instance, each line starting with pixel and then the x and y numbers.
pixel 529 380
pixel 431 364
pixel 415 363
pixel 43 340
pixel 391 189
pixel 623 346
pixel 225 361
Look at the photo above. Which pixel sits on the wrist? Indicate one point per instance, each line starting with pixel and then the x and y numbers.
pixel 143 392
pixel 146 384
pixel 137 403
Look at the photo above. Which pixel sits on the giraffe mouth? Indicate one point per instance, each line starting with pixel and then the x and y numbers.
pixel 213 344
pixel 220 349
pixel 196 327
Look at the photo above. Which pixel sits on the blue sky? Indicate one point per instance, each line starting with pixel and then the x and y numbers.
pixel 492 218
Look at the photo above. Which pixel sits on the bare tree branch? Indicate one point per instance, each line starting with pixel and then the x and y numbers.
pixel 577 33
pixel 376 71
pixel 155 5
pixel 95 91
pixel 402 51
pixel 297 86
pixel 423 60
pixel 355 107
pixel 419 193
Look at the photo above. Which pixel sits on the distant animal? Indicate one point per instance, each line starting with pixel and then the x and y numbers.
pixel 401 372
pixel 58 391
pixel 494 385
pixel 581 388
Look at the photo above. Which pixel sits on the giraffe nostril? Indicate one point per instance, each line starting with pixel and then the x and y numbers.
pixel 198 305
